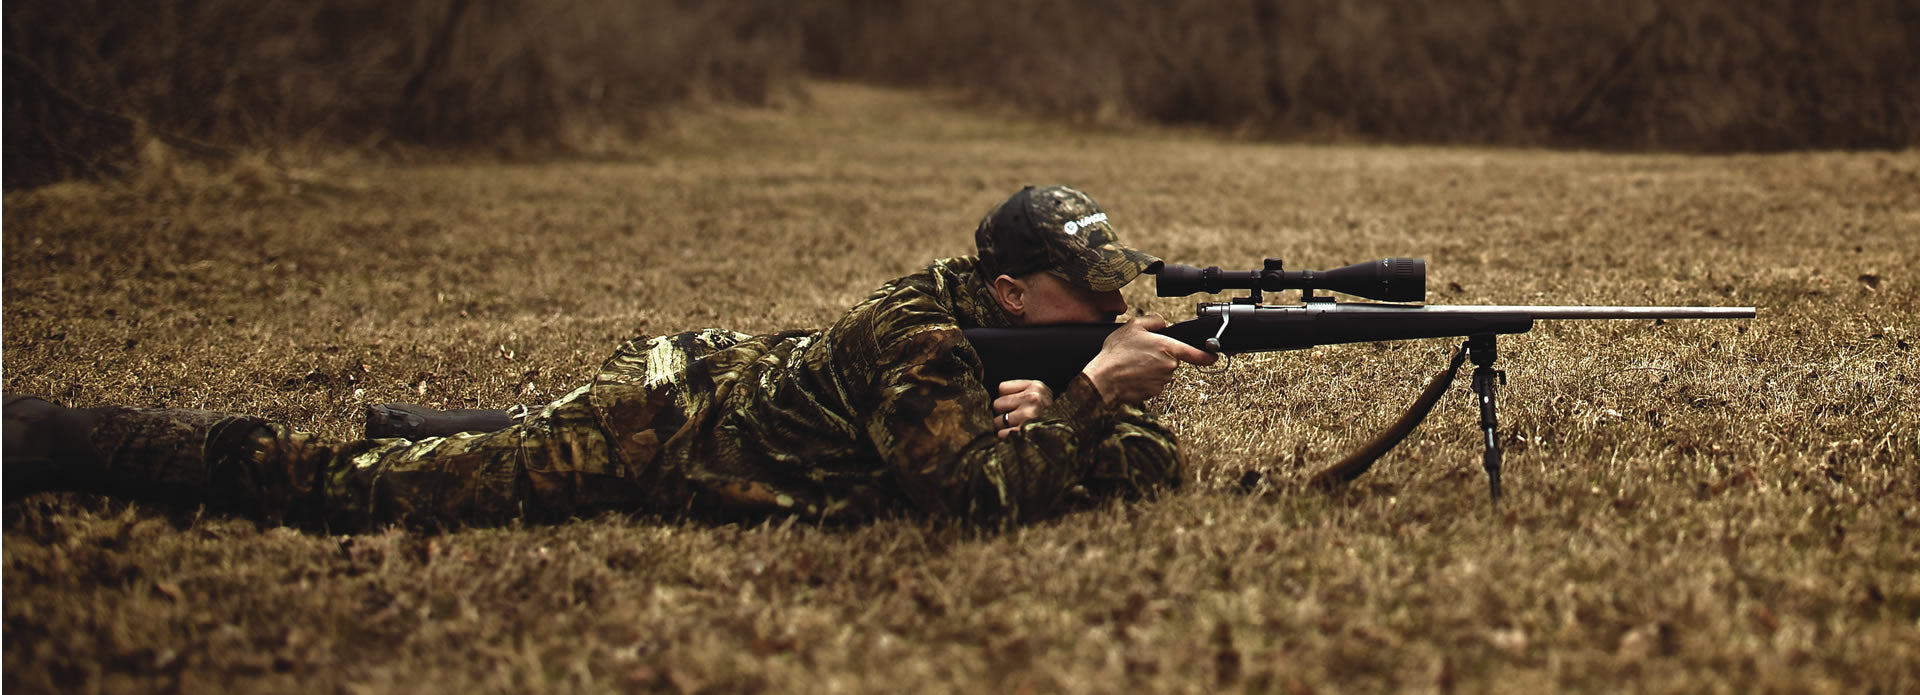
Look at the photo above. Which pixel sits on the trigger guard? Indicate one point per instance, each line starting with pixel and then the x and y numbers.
pixel 1218 367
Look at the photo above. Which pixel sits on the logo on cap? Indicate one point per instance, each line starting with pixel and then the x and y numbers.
pixel 1073 227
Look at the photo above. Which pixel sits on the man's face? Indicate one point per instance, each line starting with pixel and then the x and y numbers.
pixel 1050 299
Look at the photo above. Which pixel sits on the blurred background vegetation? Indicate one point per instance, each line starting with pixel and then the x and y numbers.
pixel 93 85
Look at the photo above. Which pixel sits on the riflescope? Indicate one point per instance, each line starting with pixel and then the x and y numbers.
pixel 1387 279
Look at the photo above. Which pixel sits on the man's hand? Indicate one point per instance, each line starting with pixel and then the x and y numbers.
pixel 1135 363
pixel 1020 402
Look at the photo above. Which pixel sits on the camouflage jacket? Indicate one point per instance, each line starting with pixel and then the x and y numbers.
pixel 882 413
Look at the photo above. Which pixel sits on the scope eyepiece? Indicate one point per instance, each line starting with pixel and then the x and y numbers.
pixel 1387 279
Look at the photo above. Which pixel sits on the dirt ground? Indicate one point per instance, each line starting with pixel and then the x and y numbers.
pixel 1715 506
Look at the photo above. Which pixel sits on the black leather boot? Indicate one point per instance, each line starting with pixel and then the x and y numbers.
pixel 408 421
pixel 46 446
pixel 142 454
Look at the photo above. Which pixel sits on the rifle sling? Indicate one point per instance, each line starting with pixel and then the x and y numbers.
pixel 1357 463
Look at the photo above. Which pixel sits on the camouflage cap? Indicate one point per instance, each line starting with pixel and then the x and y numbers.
pixel 1062 231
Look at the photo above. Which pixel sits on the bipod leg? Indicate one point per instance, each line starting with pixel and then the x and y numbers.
pixel 1486 382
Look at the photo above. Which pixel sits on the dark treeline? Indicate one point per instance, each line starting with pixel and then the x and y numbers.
pixel 1690 75
pixel 88 81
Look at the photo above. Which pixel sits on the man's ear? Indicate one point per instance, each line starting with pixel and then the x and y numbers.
pixel 1011 292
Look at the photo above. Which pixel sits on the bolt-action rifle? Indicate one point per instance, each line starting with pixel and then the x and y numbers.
pixel 1055 354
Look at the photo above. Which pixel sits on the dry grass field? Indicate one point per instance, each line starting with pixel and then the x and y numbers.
pixel 1712 506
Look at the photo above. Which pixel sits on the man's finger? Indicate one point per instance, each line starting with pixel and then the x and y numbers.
pixel 1187 353
pixel 1197 356
pixel 1018 385
pixel 1148 322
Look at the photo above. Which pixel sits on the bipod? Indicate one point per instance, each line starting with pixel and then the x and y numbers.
pixel 1486 382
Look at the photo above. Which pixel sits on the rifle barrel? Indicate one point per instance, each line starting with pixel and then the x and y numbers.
pixel 1600 312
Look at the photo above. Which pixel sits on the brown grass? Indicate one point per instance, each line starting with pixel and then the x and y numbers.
pixel 1704 506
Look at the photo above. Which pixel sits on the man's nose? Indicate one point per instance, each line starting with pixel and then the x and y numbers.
pixel 1113 303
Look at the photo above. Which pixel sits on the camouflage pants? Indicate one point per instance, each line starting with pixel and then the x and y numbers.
pixel 560 462
pixel 554 464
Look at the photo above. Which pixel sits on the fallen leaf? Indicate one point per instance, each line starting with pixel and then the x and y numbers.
pixel 643 677
pixel 1513 641
pixel 171 591
pixel 1763 616
pixel 685 682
